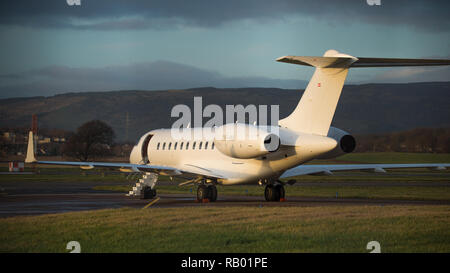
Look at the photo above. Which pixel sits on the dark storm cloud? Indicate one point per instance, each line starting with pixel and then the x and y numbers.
pixel 162 14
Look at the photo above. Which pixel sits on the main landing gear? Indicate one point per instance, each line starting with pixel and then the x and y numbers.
pixel 274 193
pixel 206 192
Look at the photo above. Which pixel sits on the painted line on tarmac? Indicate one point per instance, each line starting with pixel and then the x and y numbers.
pixel 152 202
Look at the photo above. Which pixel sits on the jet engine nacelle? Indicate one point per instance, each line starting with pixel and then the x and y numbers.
pixel 245 141
pixel 346 143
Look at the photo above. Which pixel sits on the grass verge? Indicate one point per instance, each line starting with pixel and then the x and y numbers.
pixel 233 229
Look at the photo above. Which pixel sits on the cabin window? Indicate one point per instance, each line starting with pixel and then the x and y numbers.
pixel 175 146
pixel 157 146
pixel 181 145
pixel 164 146
pixel 206 145
pixel 193 145
pixel 187 145
pixel 200 145
pixel 170 145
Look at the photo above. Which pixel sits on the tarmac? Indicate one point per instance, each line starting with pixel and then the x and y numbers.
pixel 35 198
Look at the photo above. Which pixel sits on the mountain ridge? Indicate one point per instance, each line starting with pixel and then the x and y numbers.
pixel 362 109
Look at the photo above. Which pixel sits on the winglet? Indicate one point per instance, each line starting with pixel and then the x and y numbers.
pixel 30 149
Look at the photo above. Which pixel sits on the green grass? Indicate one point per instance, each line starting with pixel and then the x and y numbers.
pixel 234 229
pixel 249 229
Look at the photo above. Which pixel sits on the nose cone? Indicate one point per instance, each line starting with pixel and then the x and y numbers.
pixel 135 156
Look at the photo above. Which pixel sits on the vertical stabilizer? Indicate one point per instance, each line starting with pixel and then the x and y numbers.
pixel 316 108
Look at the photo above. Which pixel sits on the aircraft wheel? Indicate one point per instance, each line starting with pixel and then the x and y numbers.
pixel 281 192
pixel 202 193
pixel 267 195
pixel 275 194
pixel 148 193
pixel 272 193
pixel 212 193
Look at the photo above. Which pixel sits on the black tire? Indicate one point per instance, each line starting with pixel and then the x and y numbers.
pixel 148 193
pixel 268 195
pixel 275 194
pixel 202 193
pixel 280 190
pixel 272 193
pixel 212 196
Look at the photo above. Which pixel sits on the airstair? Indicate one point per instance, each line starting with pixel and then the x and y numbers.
pixel 148 180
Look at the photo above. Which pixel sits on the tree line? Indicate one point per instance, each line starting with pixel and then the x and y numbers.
pixel 95 139
pixel 420 140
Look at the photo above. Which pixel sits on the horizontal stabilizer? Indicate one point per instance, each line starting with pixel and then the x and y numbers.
pixel 383 62
pixel 349 61
pixel 321 62
pixel 316 108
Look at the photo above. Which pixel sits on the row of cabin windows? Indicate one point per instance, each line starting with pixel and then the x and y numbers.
pixel 186 147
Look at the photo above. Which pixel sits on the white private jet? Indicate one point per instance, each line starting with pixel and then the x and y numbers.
pixel 304 135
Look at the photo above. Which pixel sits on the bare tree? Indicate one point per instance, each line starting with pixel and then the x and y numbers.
pixel 92 139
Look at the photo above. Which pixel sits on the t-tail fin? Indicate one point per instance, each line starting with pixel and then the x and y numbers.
pixel 316 108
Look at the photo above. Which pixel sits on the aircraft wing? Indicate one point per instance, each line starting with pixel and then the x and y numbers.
pixel 122 166
pixel 127 167
pixel 197 170
pixel 328 169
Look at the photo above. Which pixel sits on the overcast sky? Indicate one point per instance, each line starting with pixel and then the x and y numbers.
pixel 49 47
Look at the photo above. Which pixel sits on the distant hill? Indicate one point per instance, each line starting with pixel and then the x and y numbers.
pixel 363 109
